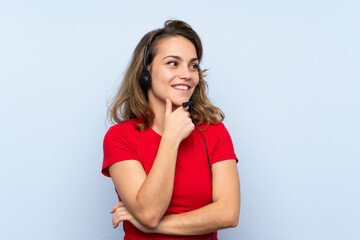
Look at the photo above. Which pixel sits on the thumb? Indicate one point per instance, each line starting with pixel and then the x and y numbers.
pixel 168 109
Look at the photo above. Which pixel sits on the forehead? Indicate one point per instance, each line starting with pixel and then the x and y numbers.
pixel 178 46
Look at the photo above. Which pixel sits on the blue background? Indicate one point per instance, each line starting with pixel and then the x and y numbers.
pixel 286 74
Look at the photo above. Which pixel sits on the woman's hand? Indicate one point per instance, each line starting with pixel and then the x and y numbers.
pixel 122 214
pixel 177 124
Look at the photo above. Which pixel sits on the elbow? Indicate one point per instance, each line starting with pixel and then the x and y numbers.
pixel 230 214
pixel 151 223
pixel 231 219
pixel 149 220
pixel 234 222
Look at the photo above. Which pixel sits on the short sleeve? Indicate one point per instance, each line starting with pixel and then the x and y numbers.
pixel 118 146
pixel 223 149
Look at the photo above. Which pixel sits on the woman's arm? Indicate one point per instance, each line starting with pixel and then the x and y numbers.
pixel 222 213
pixel 147 197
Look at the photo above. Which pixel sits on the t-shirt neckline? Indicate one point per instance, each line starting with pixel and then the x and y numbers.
pixel 154 133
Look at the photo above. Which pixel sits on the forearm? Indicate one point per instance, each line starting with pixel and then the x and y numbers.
pixel 207 219
pixel 155 193
pixel 222 213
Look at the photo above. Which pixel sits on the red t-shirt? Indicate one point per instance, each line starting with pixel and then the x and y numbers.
pixel 192 189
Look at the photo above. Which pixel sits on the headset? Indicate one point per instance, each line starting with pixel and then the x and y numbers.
pixel 145 83
pixel 145 78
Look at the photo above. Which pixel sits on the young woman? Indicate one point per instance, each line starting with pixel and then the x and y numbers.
pixel 173 167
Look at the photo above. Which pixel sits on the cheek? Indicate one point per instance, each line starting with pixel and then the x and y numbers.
pixel 161 79
pixel 196 77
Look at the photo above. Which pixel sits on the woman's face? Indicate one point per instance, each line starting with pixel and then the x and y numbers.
pixel 174 72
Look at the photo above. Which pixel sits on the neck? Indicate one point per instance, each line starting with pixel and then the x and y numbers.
pixel 159 119
pixel 158 123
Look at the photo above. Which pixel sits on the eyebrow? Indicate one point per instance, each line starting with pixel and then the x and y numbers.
pixel 179 58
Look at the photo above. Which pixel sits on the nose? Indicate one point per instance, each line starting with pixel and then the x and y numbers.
pixel 185 73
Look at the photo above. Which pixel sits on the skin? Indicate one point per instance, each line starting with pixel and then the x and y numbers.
pixel 145 201
pixel 175 64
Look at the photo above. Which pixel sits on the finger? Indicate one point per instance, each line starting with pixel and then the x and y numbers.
pixel 168 107
pixel 121 209
pixel 113 209
pixel 116 206
pixel 119 217
pixel 182 109
pixel 116 222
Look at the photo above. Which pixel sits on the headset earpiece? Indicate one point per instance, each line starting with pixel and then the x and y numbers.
pixel 145 78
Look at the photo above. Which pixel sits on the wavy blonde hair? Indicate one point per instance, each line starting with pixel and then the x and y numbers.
pixel 131 101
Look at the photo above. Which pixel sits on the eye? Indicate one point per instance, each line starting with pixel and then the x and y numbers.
pixel 195 67
pixel 172 63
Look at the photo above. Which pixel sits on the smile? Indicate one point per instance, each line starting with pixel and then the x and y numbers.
pixel 182 87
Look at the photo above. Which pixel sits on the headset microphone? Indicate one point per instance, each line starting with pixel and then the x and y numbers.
pixel 190 103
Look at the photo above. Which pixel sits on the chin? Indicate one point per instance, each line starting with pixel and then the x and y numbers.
pixel 179 102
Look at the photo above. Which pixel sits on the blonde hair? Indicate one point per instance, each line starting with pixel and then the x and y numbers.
pixel 131 101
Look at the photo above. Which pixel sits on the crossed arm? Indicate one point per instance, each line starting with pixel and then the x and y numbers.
pixel 147 198
pixel 222 213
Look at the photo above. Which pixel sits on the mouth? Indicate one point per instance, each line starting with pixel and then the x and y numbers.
pixel 181 87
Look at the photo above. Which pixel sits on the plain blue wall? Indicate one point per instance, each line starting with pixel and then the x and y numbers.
pixel 285 74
